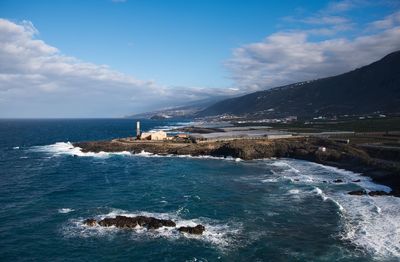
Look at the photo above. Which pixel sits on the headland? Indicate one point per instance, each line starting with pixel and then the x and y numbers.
pixel 368 161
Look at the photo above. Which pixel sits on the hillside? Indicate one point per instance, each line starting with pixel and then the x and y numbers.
pixel 186 110
pixel 375 87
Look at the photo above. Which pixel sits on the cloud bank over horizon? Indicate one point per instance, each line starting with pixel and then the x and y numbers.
pixel 36 79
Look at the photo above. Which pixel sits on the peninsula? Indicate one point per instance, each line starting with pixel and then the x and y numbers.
pixel 325 151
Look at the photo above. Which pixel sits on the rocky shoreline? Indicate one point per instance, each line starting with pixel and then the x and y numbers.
pixel 318 150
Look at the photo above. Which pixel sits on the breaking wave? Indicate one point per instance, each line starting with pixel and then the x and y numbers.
pixel 65 210
pixel 67 148
pixel 370 223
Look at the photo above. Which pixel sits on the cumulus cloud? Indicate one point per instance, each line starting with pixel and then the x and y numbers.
pixel 36 79
pixel 291 56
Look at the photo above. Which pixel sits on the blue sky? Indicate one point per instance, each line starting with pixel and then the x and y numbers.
pixel 153 54
pixel 174 42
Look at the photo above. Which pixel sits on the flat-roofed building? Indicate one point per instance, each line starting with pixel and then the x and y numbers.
pixel 159 135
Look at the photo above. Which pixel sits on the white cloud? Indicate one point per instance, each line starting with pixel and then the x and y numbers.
pixel 288 57
pixel 342 6
pixel 388 22
pixel 325 20
pixel 36 79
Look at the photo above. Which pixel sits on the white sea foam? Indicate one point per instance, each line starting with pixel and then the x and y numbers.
pixel 147 154
pixel 284 164
pixel 65 210
pixel 16 147
pixel 324 197
pixel 220 235
pixel 66 148
pixel 171 127
pixel 373 223
pixel 370 223
pixel 319 192
pixel 269 180
pixel 294 191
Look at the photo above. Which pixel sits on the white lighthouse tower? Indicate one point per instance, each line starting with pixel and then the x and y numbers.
pixel 138 129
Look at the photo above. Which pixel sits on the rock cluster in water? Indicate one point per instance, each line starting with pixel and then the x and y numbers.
pixel 197 230
pixel 371 193
pixel 142 221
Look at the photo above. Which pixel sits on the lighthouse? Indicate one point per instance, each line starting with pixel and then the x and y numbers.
pixel 138 129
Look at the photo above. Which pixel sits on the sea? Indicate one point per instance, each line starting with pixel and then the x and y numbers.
pixel 259 210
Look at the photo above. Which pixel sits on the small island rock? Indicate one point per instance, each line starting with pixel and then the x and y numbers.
pixel 378 193
pixel 358 193
pixel 197 230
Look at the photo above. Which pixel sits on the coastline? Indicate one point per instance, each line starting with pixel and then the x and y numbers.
pixel 344 156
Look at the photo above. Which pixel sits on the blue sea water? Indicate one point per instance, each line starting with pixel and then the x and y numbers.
pixel 260 210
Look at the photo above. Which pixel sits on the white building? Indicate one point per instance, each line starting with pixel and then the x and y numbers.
pixel 159 135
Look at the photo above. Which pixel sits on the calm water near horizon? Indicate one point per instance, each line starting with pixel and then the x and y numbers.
pixel 260 210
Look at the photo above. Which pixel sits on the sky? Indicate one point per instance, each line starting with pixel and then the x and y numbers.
pixel 112 58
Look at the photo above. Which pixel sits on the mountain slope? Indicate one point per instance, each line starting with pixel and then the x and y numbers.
pixel 186 110
pixel 375 87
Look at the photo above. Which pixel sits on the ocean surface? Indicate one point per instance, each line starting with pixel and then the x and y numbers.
pixel 261 210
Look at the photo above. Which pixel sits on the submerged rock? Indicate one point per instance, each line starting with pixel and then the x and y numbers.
pixel 197 230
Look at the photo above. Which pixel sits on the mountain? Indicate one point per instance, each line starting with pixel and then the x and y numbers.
pixel 375 87
pixel 187 110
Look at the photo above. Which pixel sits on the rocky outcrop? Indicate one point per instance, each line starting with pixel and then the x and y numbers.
pixel 379 193
pixel 358 193
pixel 132 222
pixel 371 193
pixel 142 221
pixel 90 222
pixel 197 230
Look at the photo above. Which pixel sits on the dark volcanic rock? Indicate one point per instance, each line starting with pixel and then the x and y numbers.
pixel 197 230
pixel 143 221
pixel 371 193
pixel 131 222
pixel 90 222
pixel 337 181
pixel 379 193
pixel 358 193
